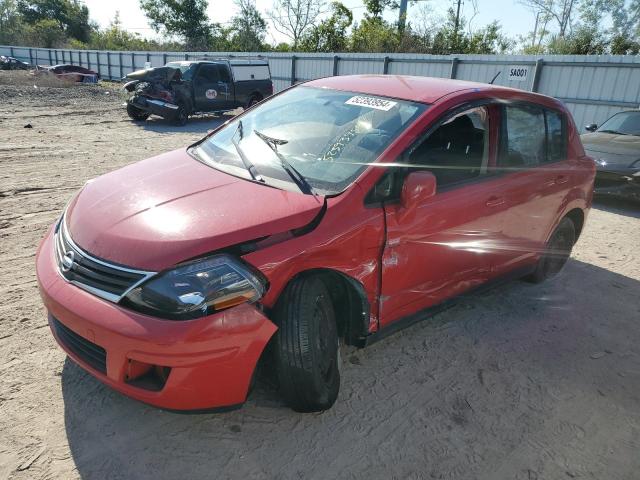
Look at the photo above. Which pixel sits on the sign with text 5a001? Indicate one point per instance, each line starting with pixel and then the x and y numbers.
pixel 518 73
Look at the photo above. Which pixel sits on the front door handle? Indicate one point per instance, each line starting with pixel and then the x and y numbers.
pixel 495 201
pixel 560 179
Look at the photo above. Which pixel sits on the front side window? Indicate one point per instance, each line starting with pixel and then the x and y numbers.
pixel 458 150
pixel 208 73
pixel 328 136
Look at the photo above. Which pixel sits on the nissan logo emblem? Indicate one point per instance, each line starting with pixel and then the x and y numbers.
pixel 67 261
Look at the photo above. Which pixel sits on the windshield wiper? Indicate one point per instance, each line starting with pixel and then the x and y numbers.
pixel 302 183
pixel 245 160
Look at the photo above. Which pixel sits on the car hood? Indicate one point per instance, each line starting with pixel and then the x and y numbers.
pixel 153 214
pixel 617 150
pixel 157 74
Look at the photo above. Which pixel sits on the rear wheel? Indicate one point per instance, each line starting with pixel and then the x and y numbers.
pixel 306 346
pixel 136 114
pixel 252 101
pixel 557 252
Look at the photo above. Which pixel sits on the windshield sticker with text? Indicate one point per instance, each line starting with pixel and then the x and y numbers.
pixel 371 102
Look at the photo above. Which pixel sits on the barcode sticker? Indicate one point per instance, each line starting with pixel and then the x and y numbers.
pixel 371 102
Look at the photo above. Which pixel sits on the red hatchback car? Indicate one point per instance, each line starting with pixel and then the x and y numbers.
pixel 337 211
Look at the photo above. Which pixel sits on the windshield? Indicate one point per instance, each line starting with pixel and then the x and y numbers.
pixel 327 136
pixel 625 123
pixel 185 68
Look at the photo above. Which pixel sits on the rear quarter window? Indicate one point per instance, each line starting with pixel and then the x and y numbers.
pixel 557 137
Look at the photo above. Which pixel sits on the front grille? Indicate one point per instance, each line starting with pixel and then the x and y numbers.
pixel 101 278
pixel 93 355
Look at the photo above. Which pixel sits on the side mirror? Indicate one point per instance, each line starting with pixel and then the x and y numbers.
pixel 417 187
pixel 592 127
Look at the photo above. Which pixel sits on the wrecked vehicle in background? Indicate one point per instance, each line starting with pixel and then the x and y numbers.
pixel 70 73
pixel 615 146
pixel 181 89
pixel 11 63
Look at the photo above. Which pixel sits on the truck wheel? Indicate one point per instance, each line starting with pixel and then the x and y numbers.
pixel 557 252
pixel 252 101
pixel 306 346
pixel 181 117
pixel 137 114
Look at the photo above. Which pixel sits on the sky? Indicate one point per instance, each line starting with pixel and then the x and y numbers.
pixel 514 18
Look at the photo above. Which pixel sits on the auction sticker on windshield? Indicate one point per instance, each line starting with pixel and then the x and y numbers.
pixel 371 102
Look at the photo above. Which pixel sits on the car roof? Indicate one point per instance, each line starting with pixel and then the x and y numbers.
pixel 404 87
pixel 232 61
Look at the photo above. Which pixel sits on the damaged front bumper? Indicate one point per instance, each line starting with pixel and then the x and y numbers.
pixel 154 106
pixel 178 365
pixel 620 183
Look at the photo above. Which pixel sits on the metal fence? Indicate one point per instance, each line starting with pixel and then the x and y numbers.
pixel 594 87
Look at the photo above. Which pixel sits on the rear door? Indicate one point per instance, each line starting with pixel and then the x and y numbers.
pixel 211 93
pixel 448 246
pixel 535 169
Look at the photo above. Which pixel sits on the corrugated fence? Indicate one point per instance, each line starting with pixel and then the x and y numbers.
pixel 594 87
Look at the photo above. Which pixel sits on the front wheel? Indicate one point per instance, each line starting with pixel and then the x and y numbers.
pixel 557 252
pixel 136 114
pixel 306 346
pixel 181 116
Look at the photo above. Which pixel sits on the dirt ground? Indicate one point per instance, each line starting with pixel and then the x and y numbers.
pixel 525 382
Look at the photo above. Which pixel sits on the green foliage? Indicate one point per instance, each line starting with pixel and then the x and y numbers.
pixel 376 8
pixel 186 19
pixel 330 35
pixel 248 28
pixel 582 41
pixel 70 16
pixel 374 34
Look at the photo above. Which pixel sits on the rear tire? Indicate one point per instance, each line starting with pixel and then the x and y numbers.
pixel 306 346
pixel 136 114
pixel 557 252
pixel 252 101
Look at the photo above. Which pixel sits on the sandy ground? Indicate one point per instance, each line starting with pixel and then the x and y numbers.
pixel 525 382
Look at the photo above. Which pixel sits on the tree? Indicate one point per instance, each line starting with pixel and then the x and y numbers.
pixel 184 18
pixel 374 35
pixel 294 17
pixel 248 27
pixel 561 11
pixel 376 8
pixel 330 35
pixel 71 16
pixel 584 40
pixel 10 21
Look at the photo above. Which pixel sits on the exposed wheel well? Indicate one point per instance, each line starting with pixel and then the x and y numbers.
pixel 350 302
pixel 577 217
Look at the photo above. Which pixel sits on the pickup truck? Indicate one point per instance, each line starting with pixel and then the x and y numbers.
pixel 181 89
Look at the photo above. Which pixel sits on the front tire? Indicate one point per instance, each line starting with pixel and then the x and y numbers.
pixel 306 346
pixel 557 252
pixel 181 116
pixel 136 114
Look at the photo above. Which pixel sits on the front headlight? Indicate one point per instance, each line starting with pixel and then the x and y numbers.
pixel 197 289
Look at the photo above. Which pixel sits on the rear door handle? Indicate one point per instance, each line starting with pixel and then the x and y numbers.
pixel 495 201
pixel 560 179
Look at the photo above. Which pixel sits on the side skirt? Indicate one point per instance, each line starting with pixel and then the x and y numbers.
pixel 426 313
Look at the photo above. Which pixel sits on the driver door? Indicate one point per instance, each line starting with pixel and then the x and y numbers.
pixel 446 245
pixel 210 91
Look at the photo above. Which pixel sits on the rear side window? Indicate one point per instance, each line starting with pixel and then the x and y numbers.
pixel 532 136
pixel 525 133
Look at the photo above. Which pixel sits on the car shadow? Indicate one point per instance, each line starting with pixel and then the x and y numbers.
pixel 199 124
pixel 469 383
pixel 620 206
